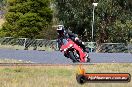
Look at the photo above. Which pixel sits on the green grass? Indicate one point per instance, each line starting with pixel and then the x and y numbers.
pixel 1 22
pixel 57 76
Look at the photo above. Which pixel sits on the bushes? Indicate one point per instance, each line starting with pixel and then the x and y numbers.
pixel 26 18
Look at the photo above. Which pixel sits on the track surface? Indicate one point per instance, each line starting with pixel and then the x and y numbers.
pixel 58 58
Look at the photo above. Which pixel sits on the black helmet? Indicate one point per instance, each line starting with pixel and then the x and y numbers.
pixel 60 29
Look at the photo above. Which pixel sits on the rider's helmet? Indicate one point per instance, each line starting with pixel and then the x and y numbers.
pixel 60 29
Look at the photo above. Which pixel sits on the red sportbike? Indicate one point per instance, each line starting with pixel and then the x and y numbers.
pixel 73 51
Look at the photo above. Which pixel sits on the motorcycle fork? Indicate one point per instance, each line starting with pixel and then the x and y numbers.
pixel 77 54
pixel 82 55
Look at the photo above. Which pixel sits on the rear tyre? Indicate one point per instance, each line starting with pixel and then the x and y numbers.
pixel 87 49
pixel 88 59
pixel 72 57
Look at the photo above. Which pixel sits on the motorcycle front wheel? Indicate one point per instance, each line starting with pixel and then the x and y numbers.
pixel 72 57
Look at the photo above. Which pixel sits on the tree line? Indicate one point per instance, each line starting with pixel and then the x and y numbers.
pixel 27 18
pixel 36 18
pixel 113 19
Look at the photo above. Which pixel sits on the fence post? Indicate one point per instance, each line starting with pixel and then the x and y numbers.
pixel 57 46
pixel 25 43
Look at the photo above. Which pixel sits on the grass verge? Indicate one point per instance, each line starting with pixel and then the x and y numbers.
pixel 5 60
pixel 57 76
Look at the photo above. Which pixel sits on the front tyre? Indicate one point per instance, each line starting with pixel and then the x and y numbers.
pixel 72 57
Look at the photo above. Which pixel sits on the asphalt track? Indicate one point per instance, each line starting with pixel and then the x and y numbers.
pixel 56 57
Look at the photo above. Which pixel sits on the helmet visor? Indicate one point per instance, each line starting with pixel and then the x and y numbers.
pixel 60 31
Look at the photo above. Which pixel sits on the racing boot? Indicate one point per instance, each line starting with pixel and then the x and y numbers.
pixel 84 48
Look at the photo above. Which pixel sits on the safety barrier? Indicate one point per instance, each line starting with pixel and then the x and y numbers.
pixel 113 47
pixel 44 44
pixel 28 44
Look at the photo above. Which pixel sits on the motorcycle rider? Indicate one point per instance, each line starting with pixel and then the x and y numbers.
pixel 63 34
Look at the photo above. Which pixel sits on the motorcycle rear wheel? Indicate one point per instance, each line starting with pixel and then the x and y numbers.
pixel 88 59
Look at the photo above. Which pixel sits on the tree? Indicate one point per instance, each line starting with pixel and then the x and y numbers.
pixel 26 18
pixel 75 14
pixel 112 19
pixel 1 4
